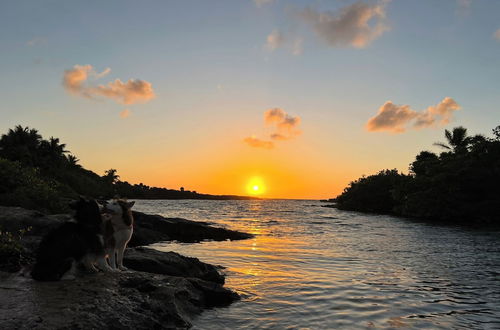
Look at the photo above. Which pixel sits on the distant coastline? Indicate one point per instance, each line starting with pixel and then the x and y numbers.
pixel 40 174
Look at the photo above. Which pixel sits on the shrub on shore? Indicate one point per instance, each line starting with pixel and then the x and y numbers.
pixel 12 253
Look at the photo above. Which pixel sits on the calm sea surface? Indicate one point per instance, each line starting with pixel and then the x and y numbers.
pixel 312 267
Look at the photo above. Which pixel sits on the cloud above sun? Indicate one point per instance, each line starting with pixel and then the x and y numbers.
pixel 396 118
pixel 76 82
pixel 284 127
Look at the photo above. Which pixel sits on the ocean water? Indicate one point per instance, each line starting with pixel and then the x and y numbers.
pixel 312 267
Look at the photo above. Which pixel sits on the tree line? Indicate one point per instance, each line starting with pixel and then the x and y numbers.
pixel 41 174
pixel 460 184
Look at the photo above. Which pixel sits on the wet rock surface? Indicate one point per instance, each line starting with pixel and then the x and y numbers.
pixel 161 290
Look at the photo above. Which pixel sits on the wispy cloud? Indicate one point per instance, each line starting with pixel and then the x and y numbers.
pixel 125 113
pixel 356 25
pixel 75 81
pixel 284 127
pixel 398 118
pixel 36 41
pixel 285 123
pixel 275 39
pixel 261 3
pixel 496 35
pixel 252 141
pixel 463 7
pixel 297 46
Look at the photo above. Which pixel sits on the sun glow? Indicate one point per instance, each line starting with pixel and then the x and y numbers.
pixel 256 186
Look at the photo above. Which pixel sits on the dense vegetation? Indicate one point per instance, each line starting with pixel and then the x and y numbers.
pixel 461 184
pixel 41 174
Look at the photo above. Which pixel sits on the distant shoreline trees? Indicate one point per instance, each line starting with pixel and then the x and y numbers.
pixel 461 184
pixel 41 174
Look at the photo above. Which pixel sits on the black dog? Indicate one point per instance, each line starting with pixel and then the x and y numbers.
pixel 72 242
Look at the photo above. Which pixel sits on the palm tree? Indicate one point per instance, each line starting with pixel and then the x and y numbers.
pixel 457 140
pixel 110 176
pixel 20 143
pixel 72 160
pixel 51 153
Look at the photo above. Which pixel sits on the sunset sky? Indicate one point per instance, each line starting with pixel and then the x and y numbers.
pixel 299 96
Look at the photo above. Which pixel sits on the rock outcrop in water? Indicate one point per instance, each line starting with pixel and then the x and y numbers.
pixel 149 229
pixel 162 290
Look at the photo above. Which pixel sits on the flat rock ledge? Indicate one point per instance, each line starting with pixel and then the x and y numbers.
pixel 150 229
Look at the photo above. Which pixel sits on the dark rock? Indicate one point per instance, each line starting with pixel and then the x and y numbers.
pixel 175 289
pixel 14 219
pixel 215 295
pixel 149 229
pixel 126 300
pixel 170 263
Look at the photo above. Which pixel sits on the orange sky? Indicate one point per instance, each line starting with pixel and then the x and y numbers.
pixel 207 96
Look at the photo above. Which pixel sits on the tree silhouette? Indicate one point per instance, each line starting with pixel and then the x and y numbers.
pixel 457 140
pixel 110 176
pixel 496 132
pixel 21 144
pixel 72 160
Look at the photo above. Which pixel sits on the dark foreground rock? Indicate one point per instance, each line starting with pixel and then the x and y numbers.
pixel 125 300
pixel 150 229
pixel 162 290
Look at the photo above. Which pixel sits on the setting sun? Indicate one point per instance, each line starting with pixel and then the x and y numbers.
pixel 255 186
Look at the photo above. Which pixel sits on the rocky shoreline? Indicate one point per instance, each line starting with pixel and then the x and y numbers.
pixel 161 290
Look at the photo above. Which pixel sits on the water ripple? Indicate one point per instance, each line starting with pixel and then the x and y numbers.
pixel 312 267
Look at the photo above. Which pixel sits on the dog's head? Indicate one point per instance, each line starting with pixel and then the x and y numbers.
pixel 87 212
pixel 120 208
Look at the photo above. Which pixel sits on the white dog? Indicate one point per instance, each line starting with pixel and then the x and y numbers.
pixel 118 231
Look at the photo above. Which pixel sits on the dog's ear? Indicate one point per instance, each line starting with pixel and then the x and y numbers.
pixel 130 204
